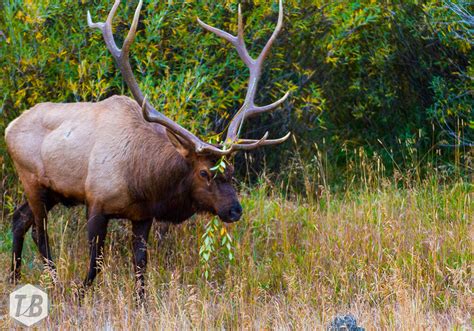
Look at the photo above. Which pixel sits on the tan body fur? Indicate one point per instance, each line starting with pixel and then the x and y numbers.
pixel 85 152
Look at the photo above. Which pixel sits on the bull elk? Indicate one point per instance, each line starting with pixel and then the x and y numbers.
pixel 124 159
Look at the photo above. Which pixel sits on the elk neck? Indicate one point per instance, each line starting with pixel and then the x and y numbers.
pixel 160 179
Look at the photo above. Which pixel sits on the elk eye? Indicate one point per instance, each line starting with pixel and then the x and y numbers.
pixel 204 174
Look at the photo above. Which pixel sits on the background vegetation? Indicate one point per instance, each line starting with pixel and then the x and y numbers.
pixel 385 76
pixel 367 210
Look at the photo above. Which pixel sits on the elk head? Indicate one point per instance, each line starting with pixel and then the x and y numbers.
pixel 212 190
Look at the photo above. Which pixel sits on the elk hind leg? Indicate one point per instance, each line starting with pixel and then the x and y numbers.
pixel 21 222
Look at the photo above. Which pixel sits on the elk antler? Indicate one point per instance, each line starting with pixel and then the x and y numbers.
pixel 249 109
pixel 121 57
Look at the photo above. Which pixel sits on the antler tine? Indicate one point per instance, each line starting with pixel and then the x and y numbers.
pixel 267 142
pixel 240 27
pixel 106 29
pixel 133 30
pixel 237 41
pixel 227 36
pixel 250 144
pixel 92 24
pixel 255 110
pixel 275 33
pixel 121 57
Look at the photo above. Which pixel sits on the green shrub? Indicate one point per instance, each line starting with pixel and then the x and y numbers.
pixel 382 76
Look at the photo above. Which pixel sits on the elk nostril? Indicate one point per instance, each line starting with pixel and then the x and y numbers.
pixel 236 210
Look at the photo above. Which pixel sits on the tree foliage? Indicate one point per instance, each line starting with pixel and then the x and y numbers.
pixel 378 75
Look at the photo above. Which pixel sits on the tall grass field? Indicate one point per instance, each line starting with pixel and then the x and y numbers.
pixel 393 256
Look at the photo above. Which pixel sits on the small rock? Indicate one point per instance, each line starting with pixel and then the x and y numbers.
pixel 344 323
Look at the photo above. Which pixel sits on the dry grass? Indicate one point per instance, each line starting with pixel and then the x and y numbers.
pixel 394 258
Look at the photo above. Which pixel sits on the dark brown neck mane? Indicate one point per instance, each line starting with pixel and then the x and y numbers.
pixel 159 178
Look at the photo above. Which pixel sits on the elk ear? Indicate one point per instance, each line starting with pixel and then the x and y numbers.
pixel 181 145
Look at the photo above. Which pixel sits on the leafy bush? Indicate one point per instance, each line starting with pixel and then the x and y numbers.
pixel 382 76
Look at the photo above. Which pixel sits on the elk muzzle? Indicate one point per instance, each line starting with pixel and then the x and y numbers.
pixel 232 214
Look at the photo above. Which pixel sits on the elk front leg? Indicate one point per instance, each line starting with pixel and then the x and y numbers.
pixel 141 230
pixel 40 202
pixel 96 232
